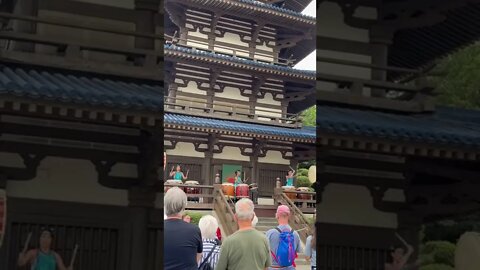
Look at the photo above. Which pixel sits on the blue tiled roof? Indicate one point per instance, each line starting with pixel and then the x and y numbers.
pixel 240 60
pixel 446 126
pixel 308 133
pixel 79 89
pixel 279 9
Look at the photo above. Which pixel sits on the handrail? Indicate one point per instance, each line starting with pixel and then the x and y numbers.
pixel 303 227
pixel 229 225
pixel 184 185
pixel 174 40
pixel 169 101
pixel 75 25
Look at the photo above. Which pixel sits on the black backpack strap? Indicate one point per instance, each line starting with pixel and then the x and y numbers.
pixel 278 229
pixel 208 256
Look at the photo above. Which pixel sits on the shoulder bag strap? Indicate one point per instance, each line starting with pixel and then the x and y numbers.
pixel 208 256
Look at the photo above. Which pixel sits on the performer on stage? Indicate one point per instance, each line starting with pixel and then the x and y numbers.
pixel 290 175
pixel 178 174
pixel 238 178
pixel 43 258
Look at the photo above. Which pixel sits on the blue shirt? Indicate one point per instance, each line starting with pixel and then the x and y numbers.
pixel 311 251
pixel 273 237
pixel 182 242
pixel 45 261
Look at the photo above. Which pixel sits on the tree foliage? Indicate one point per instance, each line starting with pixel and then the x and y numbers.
pixel 458 80
pixel 310 116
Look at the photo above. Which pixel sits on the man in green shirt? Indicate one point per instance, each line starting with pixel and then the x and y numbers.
pixel 246 249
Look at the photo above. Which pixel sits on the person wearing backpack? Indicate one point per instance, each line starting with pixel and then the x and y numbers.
pixel 284 242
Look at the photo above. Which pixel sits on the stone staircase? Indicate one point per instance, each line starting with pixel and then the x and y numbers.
pixel 265 224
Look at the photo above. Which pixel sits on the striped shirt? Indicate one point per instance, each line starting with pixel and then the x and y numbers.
pixel 208 244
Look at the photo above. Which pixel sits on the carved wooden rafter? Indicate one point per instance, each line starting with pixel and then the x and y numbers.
pixel 297 96
pixel 378 193
pixel 289 41
pixel 173 144
pixel 31 162
pixel 103 168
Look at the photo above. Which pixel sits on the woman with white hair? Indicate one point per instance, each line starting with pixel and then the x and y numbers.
pixel 211 248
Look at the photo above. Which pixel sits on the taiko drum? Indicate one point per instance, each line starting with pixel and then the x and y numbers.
pixel 172 182
pixel 304 196
pixel 192 190
pixel 228 189
pixel 290 192
pixel 241 191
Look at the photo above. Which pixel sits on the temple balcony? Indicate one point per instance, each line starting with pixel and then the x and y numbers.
pixel 222 50
pixel 230 111
pixel 83 42
pixel 410 93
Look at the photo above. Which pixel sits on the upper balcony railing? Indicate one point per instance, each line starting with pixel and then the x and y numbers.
pixel 414 94
pixel 234 52
pixel 229 111
pixel 71 52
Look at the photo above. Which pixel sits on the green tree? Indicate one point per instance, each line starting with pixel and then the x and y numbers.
pixel 310 116
pixel 457 79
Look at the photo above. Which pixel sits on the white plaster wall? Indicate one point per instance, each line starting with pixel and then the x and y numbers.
pixel 197 44
pixel 231 153
pixel 85 36
pixel 394 195
pixel 274 157
pixel 11 160
pixel 70 180
pixel 268 99
pixel 331 23
pixel 232 93
pixel 185 149
pixel 352 205
pixel 232 39
pixel 191 88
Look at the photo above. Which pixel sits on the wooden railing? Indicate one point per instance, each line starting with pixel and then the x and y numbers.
pixel 297 221
pixel 228 111
pixel 236 52
pixel 224 212
pixel 413 96
pixel 136 59
pixel 199 196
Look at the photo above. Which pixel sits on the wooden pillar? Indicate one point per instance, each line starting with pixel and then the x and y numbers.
pixel 380 38
pixel 207 169
pixel 24 8
pixel 255 171
pixel 141 202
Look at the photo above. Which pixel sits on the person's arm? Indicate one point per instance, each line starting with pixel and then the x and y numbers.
pixel 222 263
pixel 308 248
pixel 25 257
pixel 268 262
pixel 172 173
pixel 410 249
pixel 297 241
pixel 60 264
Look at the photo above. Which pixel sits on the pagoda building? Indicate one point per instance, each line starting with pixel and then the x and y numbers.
pixel 81 101
pixel 233 99
pixel 391 159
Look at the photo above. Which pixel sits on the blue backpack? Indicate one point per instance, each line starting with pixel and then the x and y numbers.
pixel 286 249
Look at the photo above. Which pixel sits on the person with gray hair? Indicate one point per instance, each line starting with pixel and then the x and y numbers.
pixel 182 246
pixel 247 248
pixel 211 248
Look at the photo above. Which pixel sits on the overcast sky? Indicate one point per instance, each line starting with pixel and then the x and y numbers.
pixel 309 62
